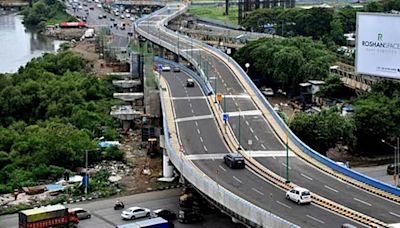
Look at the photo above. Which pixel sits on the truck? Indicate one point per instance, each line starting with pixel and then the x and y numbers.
pixel 79 24
pixel 49 216
pixel 157 222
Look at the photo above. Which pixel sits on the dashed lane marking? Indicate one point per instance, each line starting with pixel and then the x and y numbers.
pixel 257 191
pixel 361 201
pixel 330 188
pixel 315 219
pixel 184 119
pixel 237 179
pixel 303 175
pixel 282 204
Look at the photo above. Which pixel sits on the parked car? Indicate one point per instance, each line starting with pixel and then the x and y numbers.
pixel 176 69
pixel 165 214
pixel 234 161
pixel 166 68
pixel 189 216
pixel 299 195
pixel 122 16
pixel 189 82
pixel 100 16
pixel 393 169
pixel 81 213
pixel 135 212
pixel 112 19
pixel 267 92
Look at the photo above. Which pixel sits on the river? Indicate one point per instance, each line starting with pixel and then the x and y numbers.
pixel 18 46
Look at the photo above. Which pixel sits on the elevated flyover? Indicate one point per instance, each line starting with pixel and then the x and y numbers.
pixel 256 128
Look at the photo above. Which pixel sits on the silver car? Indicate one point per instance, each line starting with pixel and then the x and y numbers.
pixel 81 213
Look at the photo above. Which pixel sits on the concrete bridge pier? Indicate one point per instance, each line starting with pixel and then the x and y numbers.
pixel 168 168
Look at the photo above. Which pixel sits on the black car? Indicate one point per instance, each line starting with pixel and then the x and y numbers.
pixel 234 161
pixel 165 214
pixel 189 216
pixel 391 169
pixel 112 19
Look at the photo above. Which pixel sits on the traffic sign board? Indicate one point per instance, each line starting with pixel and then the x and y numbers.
pixel 225 117
pixel 219 97
pixel 159 67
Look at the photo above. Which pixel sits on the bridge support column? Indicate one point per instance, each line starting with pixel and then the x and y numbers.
pixel 126 124
pixel 168 168
pixel 176 58
pixel 235 220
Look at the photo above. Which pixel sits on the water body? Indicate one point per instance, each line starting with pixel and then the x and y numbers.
pixel 18 46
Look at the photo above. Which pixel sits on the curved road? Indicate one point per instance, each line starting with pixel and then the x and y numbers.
pixel 265 145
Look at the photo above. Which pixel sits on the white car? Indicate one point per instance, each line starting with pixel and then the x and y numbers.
pixel 268 92
pixel 166 68
pixel 132 18
pixel 135 212
pixel 299 195
pixel 127 15
pixel 99 5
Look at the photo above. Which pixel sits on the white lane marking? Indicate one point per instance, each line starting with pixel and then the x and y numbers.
pixel 245 113
pixel 237 179
pixel 285 165
pixel 238 96
pixel 201 139
pixel 366 203
pixel 306 176
pixel 278 202
pixel 222 168
pixel 204 156
pixel 196 124
pixel 247 123
pixel 273 157
pixel 188 98
pixel 315 219
pixel 236 104
pixel 251 129
pixel 269 153
pixel 256 137
pixel 190 104
pixel 330 188
pixel 198 131
pixel 262 146
pixel 205 149
pixel 257 191
pixel 191 118
pixel 392 213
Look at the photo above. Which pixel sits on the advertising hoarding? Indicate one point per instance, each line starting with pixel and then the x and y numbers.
pixel 378 44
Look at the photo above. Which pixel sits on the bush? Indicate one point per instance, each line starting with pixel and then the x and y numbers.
pixel 113 153
pixel 5 189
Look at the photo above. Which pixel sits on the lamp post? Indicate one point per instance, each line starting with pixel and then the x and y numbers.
pixel 86 174
pixel 177 33
pixel 215 89
pixel 396 159
pixel 240 145
pixel 287 146
pixel 247 65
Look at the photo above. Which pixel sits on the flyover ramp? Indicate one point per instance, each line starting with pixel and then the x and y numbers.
pixel 228 80
pixel 197 134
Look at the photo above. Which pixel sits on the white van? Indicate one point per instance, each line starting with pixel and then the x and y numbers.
pixel 299 195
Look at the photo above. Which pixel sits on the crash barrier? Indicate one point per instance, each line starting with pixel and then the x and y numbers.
pixel 238 207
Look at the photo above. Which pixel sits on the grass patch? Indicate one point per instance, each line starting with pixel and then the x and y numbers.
pixel 216 13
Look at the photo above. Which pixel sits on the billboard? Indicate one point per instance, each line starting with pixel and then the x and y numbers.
pixel 378 44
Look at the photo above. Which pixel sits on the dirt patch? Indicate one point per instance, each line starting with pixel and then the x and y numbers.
pixel 94 61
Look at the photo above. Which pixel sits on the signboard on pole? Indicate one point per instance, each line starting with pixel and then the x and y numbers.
pixel 378 44
pixel 225 117
pixel 219 97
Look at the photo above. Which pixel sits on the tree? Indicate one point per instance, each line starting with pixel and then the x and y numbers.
pixel 324 130
pixel 333 88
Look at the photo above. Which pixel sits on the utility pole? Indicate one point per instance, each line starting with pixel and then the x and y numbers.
pixel 226 7
pixel 240 145
pixel 86 173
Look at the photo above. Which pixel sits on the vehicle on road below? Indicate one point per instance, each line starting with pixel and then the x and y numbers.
pixel 81 213
pixel 135 212
pixel 299 195
pixel 189 216
pixel 149 223
pixel 165 214
pixel 234 161
pixel 50 216
pixel 177 69
pixel 268 92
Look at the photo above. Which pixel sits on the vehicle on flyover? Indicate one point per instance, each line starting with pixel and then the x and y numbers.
pixel 50 216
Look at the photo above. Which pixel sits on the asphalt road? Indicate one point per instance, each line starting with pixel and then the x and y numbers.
pixel 255 129
pixel 197 133
pixel 104 216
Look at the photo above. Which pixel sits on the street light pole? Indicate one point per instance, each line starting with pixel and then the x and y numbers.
pixel 215 89
pixel 86 179
pixel 240 146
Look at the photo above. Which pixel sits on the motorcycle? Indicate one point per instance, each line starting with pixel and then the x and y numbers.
pixel 119 205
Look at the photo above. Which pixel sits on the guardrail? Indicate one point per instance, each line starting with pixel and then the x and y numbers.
pixel 251 214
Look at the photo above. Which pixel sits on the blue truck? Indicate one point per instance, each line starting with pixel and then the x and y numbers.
pixel 157 222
